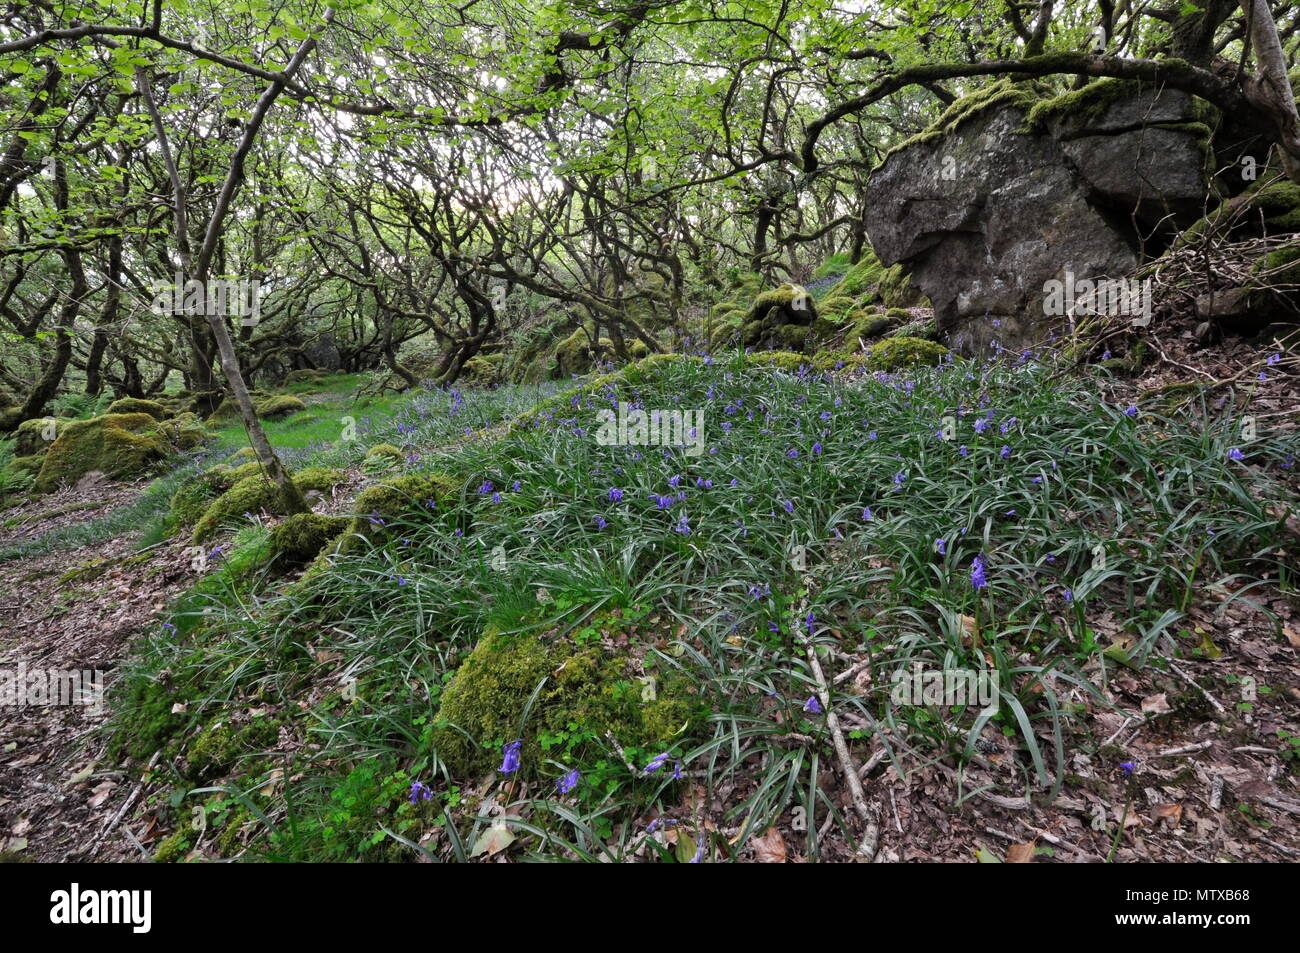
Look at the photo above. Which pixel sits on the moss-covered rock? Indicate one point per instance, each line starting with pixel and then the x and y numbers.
pixel 117 445
pixel 896 289
pixel 787 361
pixel 894 354
pixel 282 405
pixel 307 374
pixel 136 405
pixel 183 431
pixel 768 322
pixel 869 325
pixel 383 456
pixel 393 501
pixel 482 705
pixel 301 537
pixel 578 354
pixel 255 493
pixel 35 436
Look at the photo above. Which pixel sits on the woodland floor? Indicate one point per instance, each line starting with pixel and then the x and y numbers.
pixel 1215 786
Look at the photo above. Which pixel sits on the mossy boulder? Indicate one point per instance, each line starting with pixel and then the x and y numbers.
pixel 307 374
pixel 579 686
pixel 893 354
pixel 896 289
pixel 768 321
pixel 397 499
pixel 136 405
pixel 787 361
pixel 578 354
pixel 868 325
pixel 861 278
pixel 35 436
pixel 117 445
pixel 183 431
pixel 383 456
pixel 255 493
pixel 301 537
pixel 483 370
pixel 193 497
pixel 282 405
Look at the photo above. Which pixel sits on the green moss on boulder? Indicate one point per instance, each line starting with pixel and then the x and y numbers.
pixel 383 456
pixel 117 445
pixel 894 354
pixel 392 501
pixel 255 493
pixel 481 706
pixel 301 537
pixel 136 405
pixel 281 405
pixel 30 437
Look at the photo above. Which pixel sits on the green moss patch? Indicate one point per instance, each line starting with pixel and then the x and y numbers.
pixel 580 688
pixel 135 405
pixel 280 406
pixel 301 537
pixel 255 493
pixel 117 445
pixel 893 354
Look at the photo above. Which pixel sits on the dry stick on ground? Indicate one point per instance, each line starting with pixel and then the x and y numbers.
pixel 1190 681
pixel 94 848
pixel 871 837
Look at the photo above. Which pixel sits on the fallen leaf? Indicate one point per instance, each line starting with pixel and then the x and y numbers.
pixel 986 856
pixel 770 848
pixel 1156 704
pixel 493 840
pixel 1292 636
pixel 1173 813
pixel 1020 854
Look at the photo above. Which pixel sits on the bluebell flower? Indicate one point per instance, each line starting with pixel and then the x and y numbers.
pixel 510 757
pixel 1004 452
pixel 812 705
pixel 568 782
pixel 977 577
pixel 788 506
pixel 420 792
pixel 615 494
pixel 1235 454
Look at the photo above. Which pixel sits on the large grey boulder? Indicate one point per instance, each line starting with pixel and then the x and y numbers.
pixel 987 209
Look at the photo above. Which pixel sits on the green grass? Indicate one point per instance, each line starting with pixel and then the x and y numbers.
pixel 1054 488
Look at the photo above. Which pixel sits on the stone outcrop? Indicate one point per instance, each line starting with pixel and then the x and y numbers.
pixel 1010 190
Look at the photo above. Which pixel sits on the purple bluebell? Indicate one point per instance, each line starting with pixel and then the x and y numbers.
pixel 510 757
